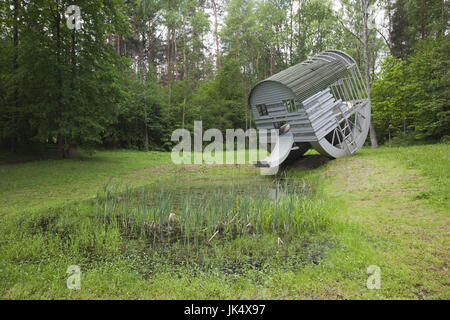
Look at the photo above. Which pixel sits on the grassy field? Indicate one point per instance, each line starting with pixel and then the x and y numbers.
pixel 140 227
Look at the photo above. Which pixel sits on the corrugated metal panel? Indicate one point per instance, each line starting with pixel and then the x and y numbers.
pixel 306 80
pixel 319 109
pixel 301 137
pixel 294 118
pixel 308 83
pixel 270 92
pixel 300 124
pixel 309 77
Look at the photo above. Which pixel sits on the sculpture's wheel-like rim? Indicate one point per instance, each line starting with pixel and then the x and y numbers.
pixel 333 149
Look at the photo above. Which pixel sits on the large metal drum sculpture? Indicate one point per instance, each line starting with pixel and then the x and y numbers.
pixel 320 103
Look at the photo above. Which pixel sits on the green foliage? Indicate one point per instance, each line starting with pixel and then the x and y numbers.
pixel 219 103
pixel 140 113
pixel 139 69
pixel 61 83
pixel 412 96
pixel 414 21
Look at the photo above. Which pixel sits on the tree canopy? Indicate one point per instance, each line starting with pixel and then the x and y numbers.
pixel 137 69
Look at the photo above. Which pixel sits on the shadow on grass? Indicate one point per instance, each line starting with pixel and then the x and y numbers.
pixel 305 163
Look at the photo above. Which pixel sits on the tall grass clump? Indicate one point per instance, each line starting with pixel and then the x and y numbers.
pixel 285 208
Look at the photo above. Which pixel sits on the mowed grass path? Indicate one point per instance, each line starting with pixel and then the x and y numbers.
pixel 400 198
pixel 392 204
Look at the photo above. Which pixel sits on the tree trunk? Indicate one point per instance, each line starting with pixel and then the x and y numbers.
pixel 422 16
pixel 277 29
pixel 389 132
pixel 443 17
pixel 365 15
pixel 145 125
pixel 257 69
pixel 237 46
pixel 15 68
pixel 319 33
pixel 169 78
pixel 204 73
pixel 175 54
pixel 73 62
pixel 300 36
pixel 216 34
pixel 184 73
pixel 61 152
pixel 149 50
pixel 72 77
pixel 271 60
pixel 265 69
pixel 144 79
pixel 291 31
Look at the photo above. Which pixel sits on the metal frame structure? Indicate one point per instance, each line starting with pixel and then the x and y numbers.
pixel 323 99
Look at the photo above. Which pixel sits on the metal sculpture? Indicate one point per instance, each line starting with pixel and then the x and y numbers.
pixel 320 103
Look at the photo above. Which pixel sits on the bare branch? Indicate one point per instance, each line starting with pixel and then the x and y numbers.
pixel 348 30
pixel 384 38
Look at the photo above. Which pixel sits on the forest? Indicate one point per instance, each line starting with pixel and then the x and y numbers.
pixel 135 70
pixel 93 205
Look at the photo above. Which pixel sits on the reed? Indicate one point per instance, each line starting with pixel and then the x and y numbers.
pixel 161 215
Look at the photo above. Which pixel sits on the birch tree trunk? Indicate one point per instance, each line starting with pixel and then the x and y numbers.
pixel 365 18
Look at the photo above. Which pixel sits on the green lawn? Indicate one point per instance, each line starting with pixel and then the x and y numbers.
pixel 109 214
